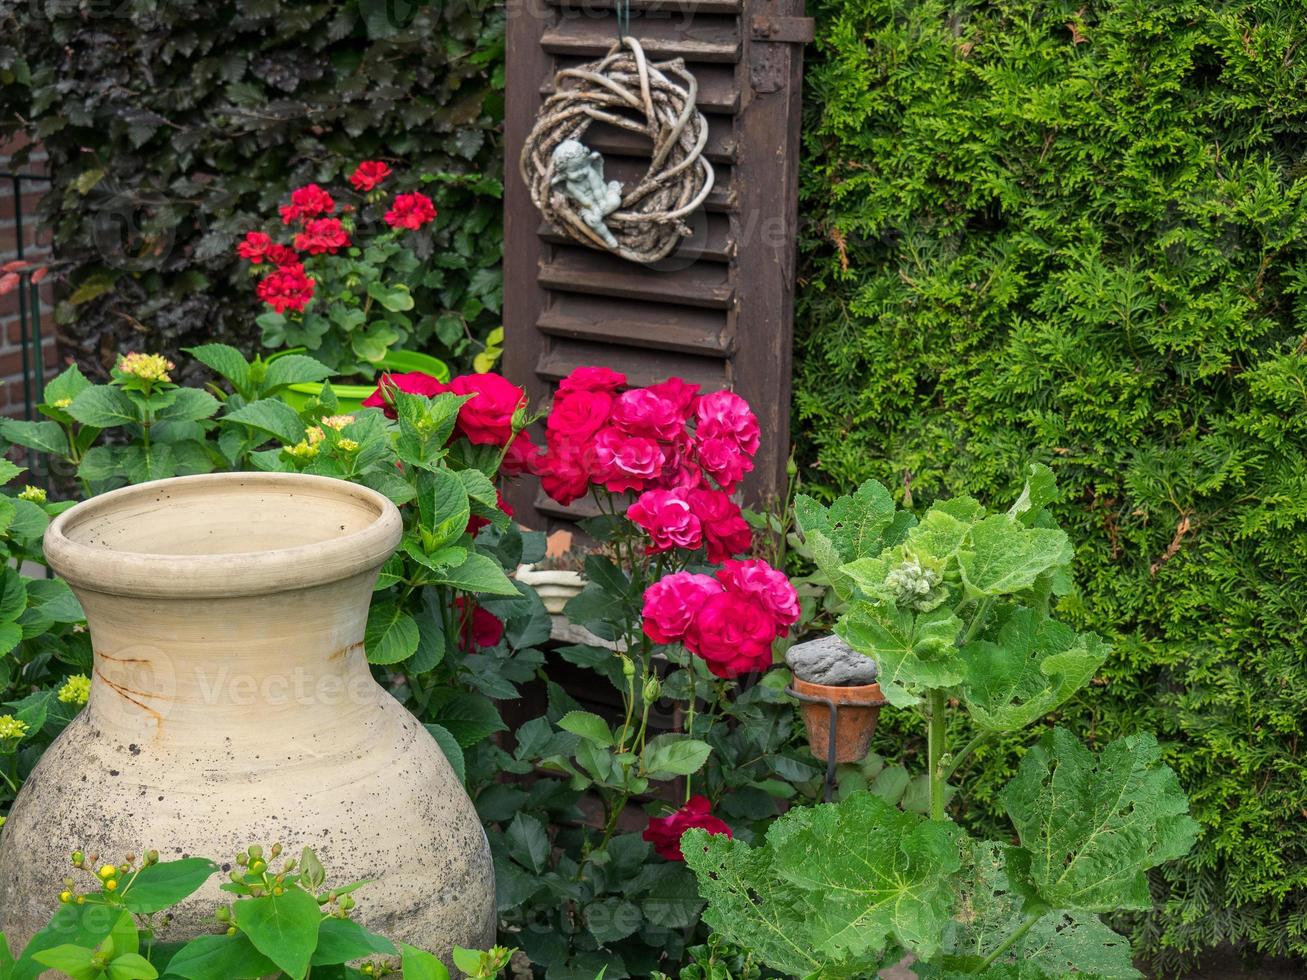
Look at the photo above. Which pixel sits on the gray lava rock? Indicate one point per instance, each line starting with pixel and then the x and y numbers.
pixel 829 660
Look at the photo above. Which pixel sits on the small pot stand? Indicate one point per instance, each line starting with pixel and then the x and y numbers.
pixel 831 762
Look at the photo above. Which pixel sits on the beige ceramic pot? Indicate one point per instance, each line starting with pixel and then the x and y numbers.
pixel 232 704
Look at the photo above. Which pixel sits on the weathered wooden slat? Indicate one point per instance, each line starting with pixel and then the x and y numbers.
pixel 579 269
pixel 711 242
pixel 718 93
pixel 641 366
pixel 710 38
pixel 649 9
pixel 630 170
pixel 614 141
pixel 662 327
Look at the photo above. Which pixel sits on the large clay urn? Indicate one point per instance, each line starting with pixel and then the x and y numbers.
pixel 232 704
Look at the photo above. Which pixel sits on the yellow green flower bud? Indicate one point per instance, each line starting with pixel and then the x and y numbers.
pixel 11 728
pixel 108 871
pixel 337 422
pixel 65 897
pixel 348 446
pixel 35 494
pixel 75 690
pixel 111 885
pixel 62 402
pixel 146 367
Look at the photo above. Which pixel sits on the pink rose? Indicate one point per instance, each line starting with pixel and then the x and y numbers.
pixel 666 516
pixel 414 383
pixel 725 415
pixel 592 379
pixel 623 462
pixel 671 603
pixel 757 579
pixel 580 413
pixel 724 461
pixel 680 471
pixel 640 412
pixel 678 391
pixel 665 832
pixel 487 418
pixel 725 530
pixel 733 634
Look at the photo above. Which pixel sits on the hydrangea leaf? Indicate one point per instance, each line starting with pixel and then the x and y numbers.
pixel 1005 557
pixel 1032 665
pixel 1090 827
pixel 911 651
pixel 1060 943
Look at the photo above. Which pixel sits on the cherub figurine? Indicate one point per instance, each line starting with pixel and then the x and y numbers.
pixel 581 172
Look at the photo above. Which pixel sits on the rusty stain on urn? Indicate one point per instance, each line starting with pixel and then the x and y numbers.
pixel 247 718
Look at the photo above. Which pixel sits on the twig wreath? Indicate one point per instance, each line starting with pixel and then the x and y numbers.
pixel 566 178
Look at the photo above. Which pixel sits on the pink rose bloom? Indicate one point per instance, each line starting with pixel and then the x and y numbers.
pixel 725 415
pixel 667 518
pixel 414 383
pixel 623 462
pixel 725 530
pixel 670 604
pixel 665 832
pixel 580 413
pixel 757 579
pixel 733 634
pixel 592 379
pixel 724 461
pixel 680 471
pixel 562 471
pixel 640 412
pixel 678 391
pixel 487 418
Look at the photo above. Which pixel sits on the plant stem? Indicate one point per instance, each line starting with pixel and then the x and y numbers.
pixel 1011 940
pixel 965 751
pixel 978 621
pixel 937 735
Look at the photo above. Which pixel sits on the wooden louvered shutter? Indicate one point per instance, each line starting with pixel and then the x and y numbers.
pixel 719 311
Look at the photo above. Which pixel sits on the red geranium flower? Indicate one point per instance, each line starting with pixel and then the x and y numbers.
pixel 255 247
pixel 288 288
pixel 369 174
pixel 322 235
pixel 410 211
pixel 665 832
pixel 307 202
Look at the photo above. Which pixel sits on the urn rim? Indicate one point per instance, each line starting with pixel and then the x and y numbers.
pixel 145 540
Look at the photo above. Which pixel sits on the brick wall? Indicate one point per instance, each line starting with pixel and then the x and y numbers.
pixel 35 248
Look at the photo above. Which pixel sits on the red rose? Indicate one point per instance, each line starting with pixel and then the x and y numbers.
pixel 725 415
pixel 288 288
pixel 486 419
pixel 641 412
pixel 368 174
pixel 678 391
pixel 665 832
pixel 670 604
pixel 668 519
pixel 519 456
pixel 758 580
pixel 307 202
pixel 724 461
pixel 481 629
pixel 733 635
pixel 410 211
pixel 322 235
pixel 623 462
pixel 562 471
pixel 579 414
pixel 725 530
pixel 413 383
pixel 592 379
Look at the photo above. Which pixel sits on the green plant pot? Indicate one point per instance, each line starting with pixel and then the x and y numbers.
pixel 350 397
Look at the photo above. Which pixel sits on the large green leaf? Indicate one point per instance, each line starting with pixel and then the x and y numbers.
pixel 104 407
pixel 13 594
pixel 912 651
pixel 477 573
pixel 1004 556
pixel 224 360
pixel 449 746
pixel 190 405
pixel 284 928
pixel 1090 827
pixel 160 885
pixel 418 964
pixel 341 940
pixel 854 524
pixel 391 634
pixel 470 718
pixel 270 416
pixel 670 755
pixel 220 958
pixel 1031 666
pixel 294 369
pixel 45 437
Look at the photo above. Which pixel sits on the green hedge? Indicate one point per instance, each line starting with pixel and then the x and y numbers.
pixel 173 128
pixel 1074 233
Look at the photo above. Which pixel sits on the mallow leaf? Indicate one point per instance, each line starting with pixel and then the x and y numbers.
pixel 858 525
pixel 944 529
pixel 1040 491
pixel 1029 666
pixel 1090 827
pixel 1004 556
pixel 912 651
pixel 889 878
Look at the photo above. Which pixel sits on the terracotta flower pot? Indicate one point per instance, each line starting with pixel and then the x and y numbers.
pixel 859 708
pixel 232 704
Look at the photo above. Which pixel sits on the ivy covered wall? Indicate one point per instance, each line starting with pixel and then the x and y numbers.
pixel 172 128
pixel 1073 232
